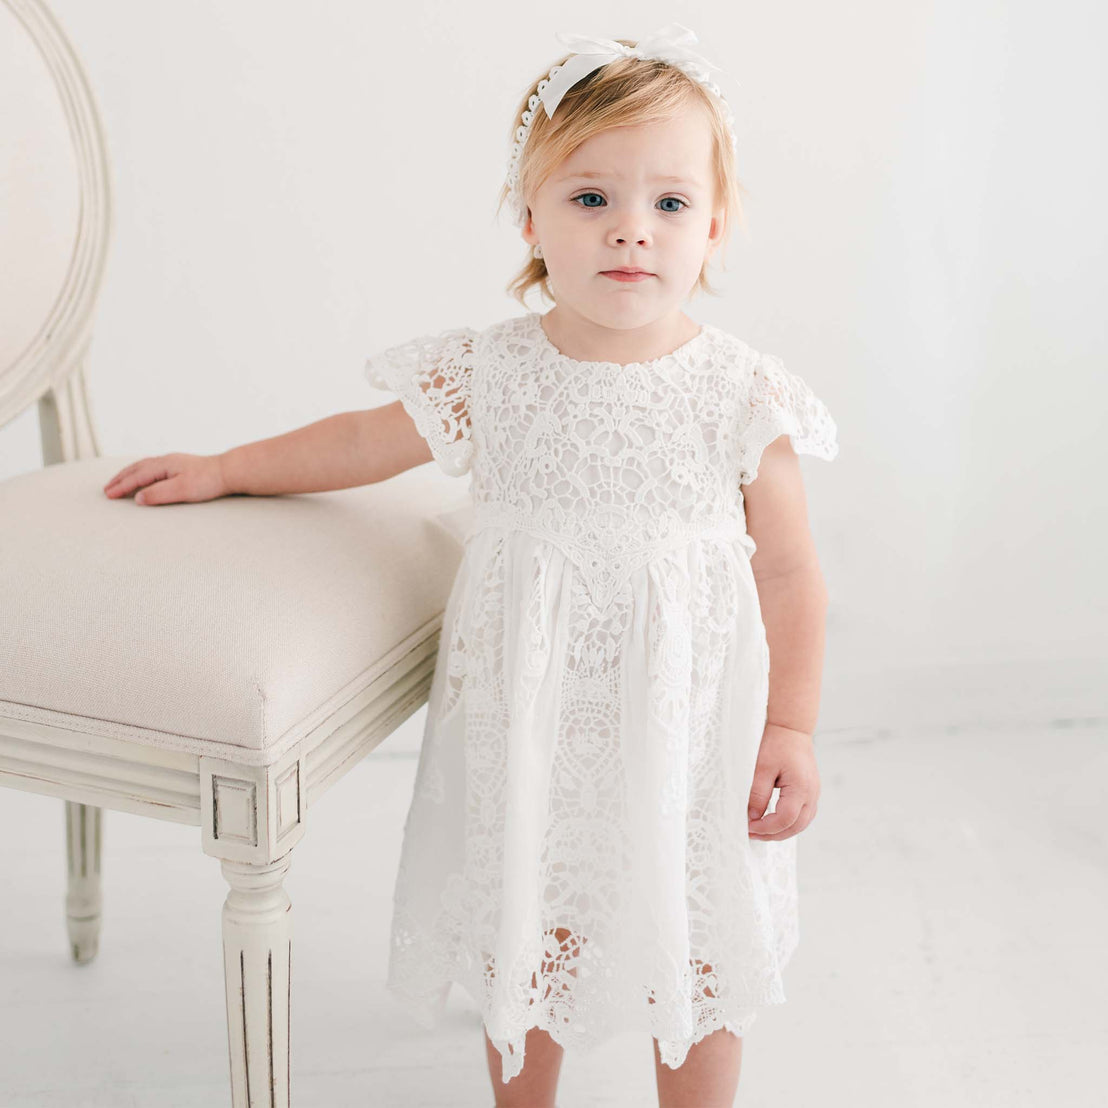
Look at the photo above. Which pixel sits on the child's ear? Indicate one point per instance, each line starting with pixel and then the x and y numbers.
pixel 715 232
pixel 528 230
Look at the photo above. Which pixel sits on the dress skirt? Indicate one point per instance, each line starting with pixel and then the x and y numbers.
pixel 576 853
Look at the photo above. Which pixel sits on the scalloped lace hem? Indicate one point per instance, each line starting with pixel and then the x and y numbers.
pixel 427 1011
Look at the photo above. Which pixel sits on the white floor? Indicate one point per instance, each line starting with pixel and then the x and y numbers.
pixel 953 893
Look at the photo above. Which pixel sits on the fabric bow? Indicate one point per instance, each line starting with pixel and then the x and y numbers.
pixel 669 44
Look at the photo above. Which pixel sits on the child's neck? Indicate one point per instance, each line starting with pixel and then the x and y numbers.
pixel 583 340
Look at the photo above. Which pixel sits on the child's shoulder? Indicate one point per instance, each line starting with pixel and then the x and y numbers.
pixel 760 369
pixel 514 327
pixel 733 352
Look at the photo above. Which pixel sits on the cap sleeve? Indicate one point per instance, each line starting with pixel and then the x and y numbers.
pixel 432 376
pixel 780 403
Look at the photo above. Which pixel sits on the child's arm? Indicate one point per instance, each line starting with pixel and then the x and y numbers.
pixel 791 589
pixel 338 452
pixel 793 599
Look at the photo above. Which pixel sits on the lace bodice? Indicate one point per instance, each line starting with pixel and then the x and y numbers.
pixel 613 463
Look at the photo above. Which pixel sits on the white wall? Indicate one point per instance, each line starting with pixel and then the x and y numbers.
pixel 298 184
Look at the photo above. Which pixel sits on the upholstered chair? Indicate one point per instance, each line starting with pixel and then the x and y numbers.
pixel 220 664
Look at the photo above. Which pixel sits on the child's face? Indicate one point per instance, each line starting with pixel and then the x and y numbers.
pixel 627 216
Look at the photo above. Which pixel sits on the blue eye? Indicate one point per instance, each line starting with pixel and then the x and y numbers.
pixel 670 211
pixel 584 194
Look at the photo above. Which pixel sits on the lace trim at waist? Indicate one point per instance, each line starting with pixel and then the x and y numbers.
pixel 608 559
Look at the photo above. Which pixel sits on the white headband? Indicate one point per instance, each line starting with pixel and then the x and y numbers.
pixel 670 44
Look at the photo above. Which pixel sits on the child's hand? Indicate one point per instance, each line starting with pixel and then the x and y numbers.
pixel 170 479
pixel 787 759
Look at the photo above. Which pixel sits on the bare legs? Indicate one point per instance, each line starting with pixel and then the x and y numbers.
pixel 536 1085
pixel 709 1076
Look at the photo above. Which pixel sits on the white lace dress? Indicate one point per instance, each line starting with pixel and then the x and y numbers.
pixel 576 854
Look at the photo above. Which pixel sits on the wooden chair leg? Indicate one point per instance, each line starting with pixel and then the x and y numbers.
pixel 257 962
pixel 83 830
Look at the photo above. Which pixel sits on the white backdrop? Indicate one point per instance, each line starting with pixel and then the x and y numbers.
pixel 298 184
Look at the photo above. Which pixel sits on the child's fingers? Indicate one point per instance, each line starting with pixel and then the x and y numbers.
pixel 146 472
pixel 758 830
pixel 168 491
pixel 117 482
pixel 782 818
pixel 761 789
pixel 137 475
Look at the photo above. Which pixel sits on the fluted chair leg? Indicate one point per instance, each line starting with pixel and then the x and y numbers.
pixel 83 829
pixel 257 960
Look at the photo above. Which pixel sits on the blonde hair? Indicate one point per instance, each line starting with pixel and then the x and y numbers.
pixel 623 93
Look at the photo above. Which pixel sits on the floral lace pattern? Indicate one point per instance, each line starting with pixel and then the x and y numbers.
pixel 431 376
pixel 576 852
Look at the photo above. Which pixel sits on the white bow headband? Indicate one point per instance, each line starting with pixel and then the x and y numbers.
pixel 670 44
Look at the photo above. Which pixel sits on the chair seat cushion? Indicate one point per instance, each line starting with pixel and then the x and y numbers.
pixel 241 622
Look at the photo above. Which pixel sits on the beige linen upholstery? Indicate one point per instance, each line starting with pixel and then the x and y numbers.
pixel 236 627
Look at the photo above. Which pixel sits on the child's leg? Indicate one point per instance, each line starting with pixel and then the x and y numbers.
pixel 709 1076
pixel 536 1085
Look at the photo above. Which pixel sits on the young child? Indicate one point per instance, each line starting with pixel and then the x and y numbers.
pixel 590 846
